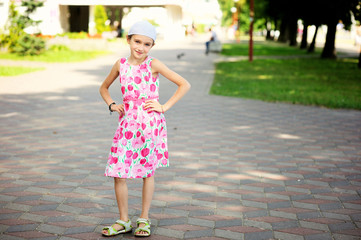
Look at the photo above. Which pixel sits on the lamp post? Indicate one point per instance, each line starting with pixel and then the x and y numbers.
pixel 234 20
pixel 251 15
pixel 236 10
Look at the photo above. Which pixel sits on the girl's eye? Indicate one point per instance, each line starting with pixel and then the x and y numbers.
pixel 147 44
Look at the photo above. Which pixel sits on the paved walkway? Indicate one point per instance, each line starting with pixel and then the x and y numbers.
pixel 240 169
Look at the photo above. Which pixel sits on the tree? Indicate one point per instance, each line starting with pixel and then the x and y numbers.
pixel 311 48
pixel 242 17
pixel 285 15
pixel 100 17
pixel 310 14
pixel 15 38
pixel 227 15
pixel 336 11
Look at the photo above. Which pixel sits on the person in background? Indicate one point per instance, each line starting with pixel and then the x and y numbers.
pixel 212 37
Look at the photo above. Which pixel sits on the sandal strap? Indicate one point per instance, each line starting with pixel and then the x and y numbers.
pixel 143 220
pixel 125 225
pixel 143 229
pixel 110 229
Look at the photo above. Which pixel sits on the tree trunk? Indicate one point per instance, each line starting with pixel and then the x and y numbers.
pixel 268 35
pixel 359 59
pixel 304 36
pixel 329 50
pixel 293 27
pixel 283 31
pixel 311 48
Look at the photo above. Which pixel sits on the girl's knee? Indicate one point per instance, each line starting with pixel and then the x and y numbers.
pixel 120 180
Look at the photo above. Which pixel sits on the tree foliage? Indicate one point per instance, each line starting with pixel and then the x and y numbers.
pixel 100 17
pixel 15 38
pixel 242 13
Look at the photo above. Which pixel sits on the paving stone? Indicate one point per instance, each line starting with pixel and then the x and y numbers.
pixel 345 237
pixel 33 217
pixel 31 234
pixel 51 229
pixel 44 207
pixel 21 228
pixel 201 222
pixel 228 223
pixel 167 222
pixel 77 230
pixel 265 235
pixel 283 225
pixel 314 225
pixel 336 227
pixel 323 236
pixel 9 237
pixel 257 224
pixel 287 236
pixel 18 207
pixel 229 234
pixel 337 216
pixel 169 232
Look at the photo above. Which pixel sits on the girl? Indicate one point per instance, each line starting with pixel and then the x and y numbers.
pixel 140 141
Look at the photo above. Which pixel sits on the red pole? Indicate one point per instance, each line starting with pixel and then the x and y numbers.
pixel 251 15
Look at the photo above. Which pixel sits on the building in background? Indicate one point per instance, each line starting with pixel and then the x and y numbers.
pixel 170 16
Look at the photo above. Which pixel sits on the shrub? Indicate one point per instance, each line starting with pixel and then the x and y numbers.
pixel 29 45
pixel 101 17
pixel 74 35
pixel 58 48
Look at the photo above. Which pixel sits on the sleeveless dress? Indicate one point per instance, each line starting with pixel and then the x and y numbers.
pixel 140 142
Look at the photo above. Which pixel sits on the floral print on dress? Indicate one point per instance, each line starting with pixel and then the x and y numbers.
pixel 140 142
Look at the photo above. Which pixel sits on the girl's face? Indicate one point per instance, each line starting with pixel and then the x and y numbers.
pixel 140 45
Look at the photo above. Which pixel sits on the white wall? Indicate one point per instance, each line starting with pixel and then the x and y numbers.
pixel 4 12
pixel 49 14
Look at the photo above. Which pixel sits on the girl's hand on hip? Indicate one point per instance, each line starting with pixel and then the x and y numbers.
pixel 151 105
pixel 118 108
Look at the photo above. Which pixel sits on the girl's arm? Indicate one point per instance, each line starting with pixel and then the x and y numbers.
pixel 104 92
pixel 183 87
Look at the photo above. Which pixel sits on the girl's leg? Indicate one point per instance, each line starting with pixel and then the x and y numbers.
pixel 147 195
pixel 121 194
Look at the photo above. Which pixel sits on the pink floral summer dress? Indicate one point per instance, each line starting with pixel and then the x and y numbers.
pixel 140 141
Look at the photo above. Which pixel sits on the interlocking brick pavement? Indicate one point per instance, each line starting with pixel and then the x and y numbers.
pixel 240 169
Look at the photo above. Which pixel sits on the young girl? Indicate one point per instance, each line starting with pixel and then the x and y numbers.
pixel 140 141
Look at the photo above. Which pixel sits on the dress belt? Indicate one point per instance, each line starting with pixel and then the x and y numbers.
pixel 138 100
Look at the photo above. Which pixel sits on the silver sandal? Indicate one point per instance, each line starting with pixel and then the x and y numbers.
pixel 111 231
pixel 146 228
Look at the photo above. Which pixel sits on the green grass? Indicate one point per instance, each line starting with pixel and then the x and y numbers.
pixel 319 82
pixel 6 71
pixel 261 48
pixel 56 56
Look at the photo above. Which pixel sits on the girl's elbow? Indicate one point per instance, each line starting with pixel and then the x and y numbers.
pixel 188 86
pixel 102 89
